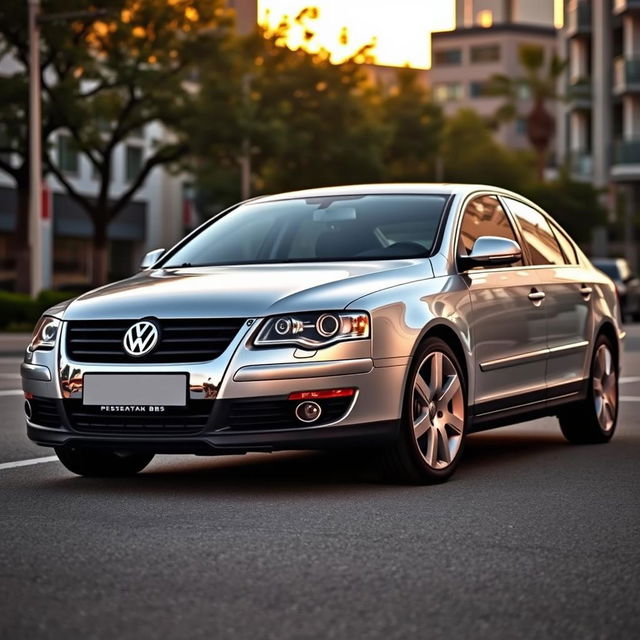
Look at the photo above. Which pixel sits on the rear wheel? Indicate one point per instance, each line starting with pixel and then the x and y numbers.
pixel 593 420
pixel 434 416
pixel 97 463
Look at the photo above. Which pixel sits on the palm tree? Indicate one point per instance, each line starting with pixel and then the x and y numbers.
pixel 540 85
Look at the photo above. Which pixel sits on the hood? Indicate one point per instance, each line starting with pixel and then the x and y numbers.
pixel 243 291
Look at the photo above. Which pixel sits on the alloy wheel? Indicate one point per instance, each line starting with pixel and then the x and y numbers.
pixel 605 384
pixel 438 410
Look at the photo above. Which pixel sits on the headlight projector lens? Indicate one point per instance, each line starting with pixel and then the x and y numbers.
pixel 283 326
pixel 327 325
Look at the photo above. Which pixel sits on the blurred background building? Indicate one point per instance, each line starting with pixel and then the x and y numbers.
pixel 599 127
pixel 463 60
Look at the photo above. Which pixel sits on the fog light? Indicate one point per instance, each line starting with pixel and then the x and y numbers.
pixel 28 411
pixel 308 411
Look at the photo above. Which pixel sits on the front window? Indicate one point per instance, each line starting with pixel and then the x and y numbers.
pixel 318 229
pixel 484 216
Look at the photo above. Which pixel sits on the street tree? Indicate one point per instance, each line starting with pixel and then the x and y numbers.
pixel 416 123
pixel 105 80
pixel 304 121
pixel 471 154
pixel 539 84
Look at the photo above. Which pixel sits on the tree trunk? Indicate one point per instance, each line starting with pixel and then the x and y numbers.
pixel 540 129
pixel 23 263
pixel 100 253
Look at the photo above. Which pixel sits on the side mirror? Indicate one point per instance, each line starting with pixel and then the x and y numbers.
pixel 151 258
pixel 492 251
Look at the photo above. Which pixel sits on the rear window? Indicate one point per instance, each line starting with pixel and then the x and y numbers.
pixel 341 228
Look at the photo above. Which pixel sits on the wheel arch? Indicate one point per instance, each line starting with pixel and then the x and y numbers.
pixel 607 330
pixel 449 335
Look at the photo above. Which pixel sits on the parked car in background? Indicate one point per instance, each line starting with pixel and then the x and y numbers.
pixel 392 317
pixel 627 284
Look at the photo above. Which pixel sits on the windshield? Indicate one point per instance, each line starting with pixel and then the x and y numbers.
pixel 319 229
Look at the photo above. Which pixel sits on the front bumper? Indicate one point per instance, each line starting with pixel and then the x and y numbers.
pixel 239 376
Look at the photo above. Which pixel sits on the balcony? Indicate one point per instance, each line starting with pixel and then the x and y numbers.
pixel 626 160
pixel 627 151
pixel 578 18
pixel 581 164
pixel 626 75
pixel 579 93
pixel 622 6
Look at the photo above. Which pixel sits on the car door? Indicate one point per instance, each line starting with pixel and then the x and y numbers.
pixel 508 327
pixel 567 288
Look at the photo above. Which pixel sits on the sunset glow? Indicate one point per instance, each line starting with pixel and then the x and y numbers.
pixel 400 29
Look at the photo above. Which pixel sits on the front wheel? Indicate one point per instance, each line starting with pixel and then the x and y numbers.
pixel 98 463
pixel 593 421
pixel 433 419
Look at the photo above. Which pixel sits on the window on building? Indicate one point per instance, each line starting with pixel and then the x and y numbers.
pixel 443 57
pixel 68 157
pixel 478 89
pixel 448 91
pixel 485 53
pixel 484 216
pixel 543 246
pixel 133 162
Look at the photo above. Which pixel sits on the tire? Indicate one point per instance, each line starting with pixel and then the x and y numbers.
pixel 98 463
pixel 593 421
pixel 434 418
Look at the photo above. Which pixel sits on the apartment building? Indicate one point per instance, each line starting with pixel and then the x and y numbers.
pixel 484 13
pixel 599 129
pixel 463 60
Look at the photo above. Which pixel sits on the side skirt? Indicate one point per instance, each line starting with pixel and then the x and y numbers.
pixel 526 406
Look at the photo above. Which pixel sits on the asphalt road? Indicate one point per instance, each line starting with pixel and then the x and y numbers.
pixel 532 538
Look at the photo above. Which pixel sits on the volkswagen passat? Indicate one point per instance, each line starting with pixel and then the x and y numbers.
pixel 396 317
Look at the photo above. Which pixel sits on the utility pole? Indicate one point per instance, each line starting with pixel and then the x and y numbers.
pixel 35 152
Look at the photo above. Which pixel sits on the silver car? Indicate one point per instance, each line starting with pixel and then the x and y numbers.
pixel 400 318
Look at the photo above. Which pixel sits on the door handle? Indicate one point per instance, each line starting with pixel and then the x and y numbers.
pixel 536 296
pixel 586 291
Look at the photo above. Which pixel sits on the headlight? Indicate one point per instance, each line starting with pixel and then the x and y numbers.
pixel 45 333
pixel 314 330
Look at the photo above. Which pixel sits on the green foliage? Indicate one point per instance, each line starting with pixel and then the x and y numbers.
pixel 305 121
pixel 416 124
pixel 21 311
pixel 575 205
pixel 471 154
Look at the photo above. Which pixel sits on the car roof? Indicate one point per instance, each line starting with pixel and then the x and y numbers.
pixel 388 189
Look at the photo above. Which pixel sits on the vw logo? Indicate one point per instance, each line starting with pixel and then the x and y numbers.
pixel 141 338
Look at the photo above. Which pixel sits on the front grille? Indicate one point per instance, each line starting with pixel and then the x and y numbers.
pixel 180 340
pixel 44 411
pixel 264 415
pixel 188 420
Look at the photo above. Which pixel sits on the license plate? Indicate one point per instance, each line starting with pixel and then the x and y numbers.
pixel 135 389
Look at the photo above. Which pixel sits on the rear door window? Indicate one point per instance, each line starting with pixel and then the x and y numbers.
pixel 537 234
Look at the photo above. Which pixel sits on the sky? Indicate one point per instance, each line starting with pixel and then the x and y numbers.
pixel 400 28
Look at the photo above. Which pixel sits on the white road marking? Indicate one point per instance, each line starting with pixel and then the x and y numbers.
pixel 12 392
pixel 630 398
pixel 627 380
pixel 27 463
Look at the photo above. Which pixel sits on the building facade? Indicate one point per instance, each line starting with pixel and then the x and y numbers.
pixel 463 60
pixel 599 127
pixel 484 13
